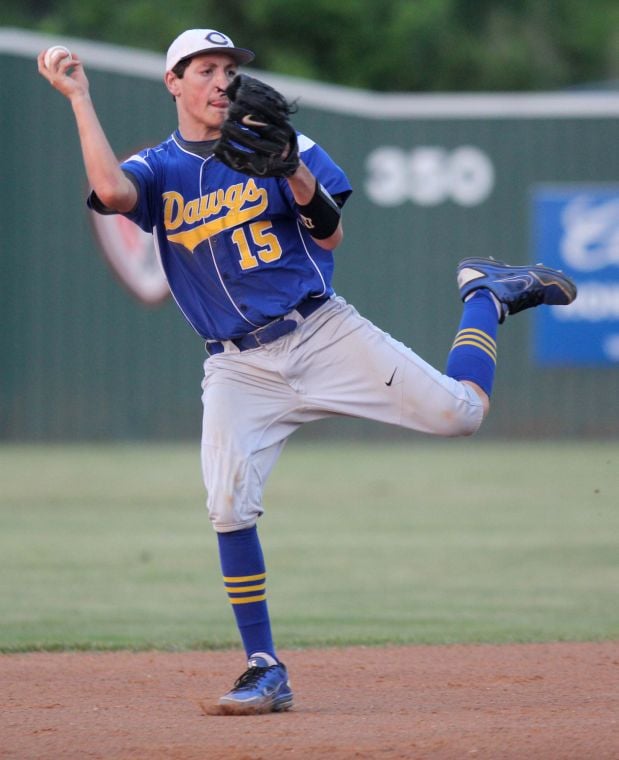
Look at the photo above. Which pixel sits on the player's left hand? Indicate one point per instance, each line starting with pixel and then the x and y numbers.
pixel 257 137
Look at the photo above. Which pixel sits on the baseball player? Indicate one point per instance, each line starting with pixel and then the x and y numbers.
pixel 246 214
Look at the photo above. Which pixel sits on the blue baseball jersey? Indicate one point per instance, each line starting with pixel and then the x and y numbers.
pixel 234 251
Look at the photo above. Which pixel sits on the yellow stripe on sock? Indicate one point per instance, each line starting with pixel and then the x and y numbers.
pixel 480 346
pixel 475 334
pixel 244 589
pixel 248 599
pixel 477 338
pixel 477 345
pixel 244 578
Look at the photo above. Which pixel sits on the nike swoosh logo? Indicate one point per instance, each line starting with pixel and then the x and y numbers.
pixel 248 121
pixel 392 376
pixel 524 278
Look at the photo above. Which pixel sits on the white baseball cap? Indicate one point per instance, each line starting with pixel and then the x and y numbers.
pixel 196 41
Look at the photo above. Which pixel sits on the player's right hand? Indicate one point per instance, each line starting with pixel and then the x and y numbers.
pixel 65 75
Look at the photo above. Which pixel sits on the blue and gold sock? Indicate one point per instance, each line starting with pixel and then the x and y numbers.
pixel 243 568
pixel 473 353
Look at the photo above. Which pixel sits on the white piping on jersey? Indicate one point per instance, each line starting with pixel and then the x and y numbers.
pixel 304 142
pixel 158 252
pixel 141 160
pixel 239 312
pixel 204 162
pixel 188 152
pixel 309 256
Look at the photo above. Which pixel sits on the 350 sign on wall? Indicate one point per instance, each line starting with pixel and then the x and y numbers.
pixel 428 176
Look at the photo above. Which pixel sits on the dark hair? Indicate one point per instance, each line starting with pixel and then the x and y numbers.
pixel 179 69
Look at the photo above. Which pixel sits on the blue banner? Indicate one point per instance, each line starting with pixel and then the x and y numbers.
pixel 576 229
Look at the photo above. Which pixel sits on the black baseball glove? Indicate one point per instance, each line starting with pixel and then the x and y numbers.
pixel 257 137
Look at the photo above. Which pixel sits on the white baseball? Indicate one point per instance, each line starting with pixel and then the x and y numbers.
pixel 55 54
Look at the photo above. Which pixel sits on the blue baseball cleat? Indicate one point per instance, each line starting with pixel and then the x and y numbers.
pixel 516 288
pixel 262 688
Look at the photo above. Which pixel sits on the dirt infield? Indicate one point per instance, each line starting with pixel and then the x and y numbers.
pixel 546 701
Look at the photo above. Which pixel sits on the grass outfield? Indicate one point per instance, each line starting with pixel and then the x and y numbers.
pixel 449 541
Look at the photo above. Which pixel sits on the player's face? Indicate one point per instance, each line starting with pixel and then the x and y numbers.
pixel 201 100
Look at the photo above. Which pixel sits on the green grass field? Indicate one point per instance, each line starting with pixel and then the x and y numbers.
pixel 449 541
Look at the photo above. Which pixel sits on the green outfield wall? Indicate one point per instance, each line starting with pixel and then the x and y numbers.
pixel 436 178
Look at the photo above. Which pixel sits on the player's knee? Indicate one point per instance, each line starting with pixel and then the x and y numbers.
pixel 234 494
pixel 457 426
pixel 463 415
pixel 230 510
